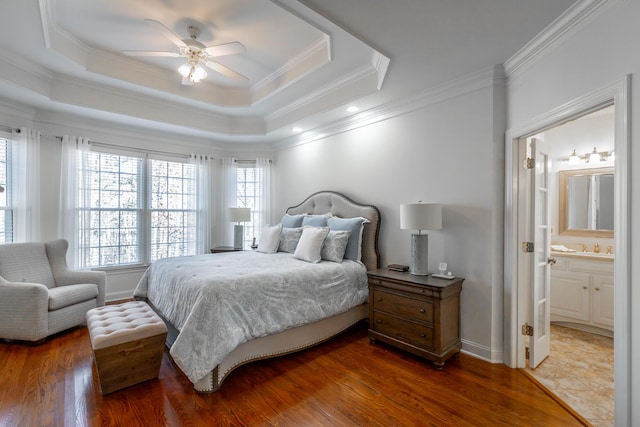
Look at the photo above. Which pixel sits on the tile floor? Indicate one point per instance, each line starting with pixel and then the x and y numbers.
pixel 579 371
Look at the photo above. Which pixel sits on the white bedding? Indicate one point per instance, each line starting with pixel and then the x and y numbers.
pixel 219 301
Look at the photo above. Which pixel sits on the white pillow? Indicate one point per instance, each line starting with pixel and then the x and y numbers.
pixel 269 239
pixel 310 244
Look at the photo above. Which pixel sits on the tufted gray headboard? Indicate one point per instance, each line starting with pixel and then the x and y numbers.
pixel 340 205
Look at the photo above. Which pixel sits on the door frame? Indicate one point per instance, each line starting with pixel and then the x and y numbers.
pixel 516 280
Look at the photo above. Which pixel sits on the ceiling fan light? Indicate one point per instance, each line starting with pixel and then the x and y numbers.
pixel 184 70
pixel 198 73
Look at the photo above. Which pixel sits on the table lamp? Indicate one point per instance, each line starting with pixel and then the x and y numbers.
pixel 239 215
pixel 420 216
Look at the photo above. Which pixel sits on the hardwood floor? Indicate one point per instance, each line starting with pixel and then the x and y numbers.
pixel 343 382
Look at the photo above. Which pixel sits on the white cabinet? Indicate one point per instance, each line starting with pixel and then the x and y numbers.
pixel 582 291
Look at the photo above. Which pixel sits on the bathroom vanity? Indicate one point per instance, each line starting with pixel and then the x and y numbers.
pixel 582 291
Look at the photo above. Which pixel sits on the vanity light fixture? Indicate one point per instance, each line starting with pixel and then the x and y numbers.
pixel 590 158
pixel 574 159
pixel 595 157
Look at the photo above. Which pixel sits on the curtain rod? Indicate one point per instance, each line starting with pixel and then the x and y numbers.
pixel 9 129
pixel 250 161
pixel 137 150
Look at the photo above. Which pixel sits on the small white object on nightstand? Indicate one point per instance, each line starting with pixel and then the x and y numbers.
pixel 442 267
pixel 444 274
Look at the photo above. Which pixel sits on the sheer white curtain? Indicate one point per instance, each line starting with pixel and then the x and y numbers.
pixel 25 185
pixel 264 210
pixel 71 219
pixel 204 202
pixel 228 196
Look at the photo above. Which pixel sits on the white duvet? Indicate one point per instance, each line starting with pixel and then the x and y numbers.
pixel 218 301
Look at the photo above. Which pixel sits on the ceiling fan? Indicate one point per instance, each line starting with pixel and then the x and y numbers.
pixel 196 54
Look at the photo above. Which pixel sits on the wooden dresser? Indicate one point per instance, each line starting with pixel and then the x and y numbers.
pixel 418 314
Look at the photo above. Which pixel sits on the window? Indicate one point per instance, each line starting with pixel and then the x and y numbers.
pixel 249 192
pixel 6 212
pixel 173 209
pixel 123 221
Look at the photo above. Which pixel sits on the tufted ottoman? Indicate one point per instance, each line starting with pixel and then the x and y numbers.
pixel 127 341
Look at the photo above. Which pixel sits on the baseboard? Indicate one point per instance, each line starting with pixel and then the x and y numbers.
pixel 482 352
pixel 117 297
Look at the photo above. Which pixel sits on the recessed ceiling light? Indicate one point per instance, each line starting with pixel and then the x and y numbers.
pixel 353 109
pixel 297 129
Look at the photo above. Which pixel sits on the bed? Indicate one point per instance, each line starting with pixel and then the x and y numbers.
pixel 235 318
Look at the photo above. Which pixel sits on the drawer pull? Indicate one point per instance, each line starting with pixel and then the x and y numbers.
pixel 597 289
pixel 422 310
pixel 380 299
pixel 584 287
pixel 379 321
pixel 423 336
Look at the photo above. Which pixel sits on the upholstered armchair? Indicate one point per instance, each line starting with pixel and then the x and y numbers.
pixel 40 295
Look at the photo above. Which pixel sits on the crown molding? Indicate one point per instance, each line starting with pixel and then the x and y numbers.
pixel 293 70
pixel 482 79
pixel 559 30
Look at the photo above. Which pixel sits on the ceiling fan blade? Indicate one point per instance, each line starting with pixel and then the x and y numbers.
pixel 226 49
pixel 166 32
pixel 225 71
pixel 150 53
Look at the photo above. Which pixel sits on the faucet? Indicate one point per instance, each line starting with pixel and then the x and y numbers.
pixel 596 248
pixel 584 247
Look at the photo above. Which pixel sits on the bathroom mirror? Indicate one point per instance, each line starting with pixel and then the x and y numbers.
pixel 586 202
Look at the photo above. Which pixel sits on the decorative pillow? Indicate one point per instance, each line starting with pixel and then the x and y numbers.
pixel 334 245
pixel 289 239
pixel 269 239
pixel 310 244
pixel 292 221
pixel 316 220
pixel 355 226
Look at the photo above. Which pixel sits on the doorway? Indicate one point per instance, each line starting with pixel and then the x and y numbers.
pixel 517 279
pixel 574 361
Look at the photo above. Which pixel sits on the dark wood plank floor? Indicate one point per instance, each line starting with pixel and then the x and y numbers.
pixel 344 382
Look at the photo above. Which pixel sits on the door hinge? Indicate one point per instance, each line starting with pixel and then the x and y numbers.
pixel 527 330
pixel 529 163
pixel 526 353
pixel 527 246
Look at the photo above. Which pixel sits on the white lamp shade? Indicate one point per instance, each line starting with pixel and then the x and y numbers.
pixel 184 70
pixel 199 73
pixel 421 216
pixel 240 214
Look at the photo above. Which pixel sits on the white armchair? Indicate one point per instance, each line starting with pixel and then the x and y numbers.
pixel 40 295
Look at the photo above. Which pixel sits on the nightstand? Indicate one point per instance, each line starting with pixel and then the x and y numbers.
pixel 220 249
pixel 418 314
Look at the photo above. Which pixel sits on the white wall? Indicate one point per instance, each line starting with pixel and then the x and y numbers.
pixel 441 153
pixel 595 54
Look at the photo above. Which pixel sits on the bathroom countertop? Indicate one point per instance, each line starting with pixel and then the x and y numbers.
pixel 585 255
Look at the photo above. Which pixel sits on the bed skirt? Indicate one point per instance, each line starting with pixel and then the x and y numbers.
pixel 285 342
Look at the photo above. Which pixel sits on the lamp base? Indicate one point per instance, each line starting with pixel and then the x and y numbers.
pixel 238 236
pixel 419 255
